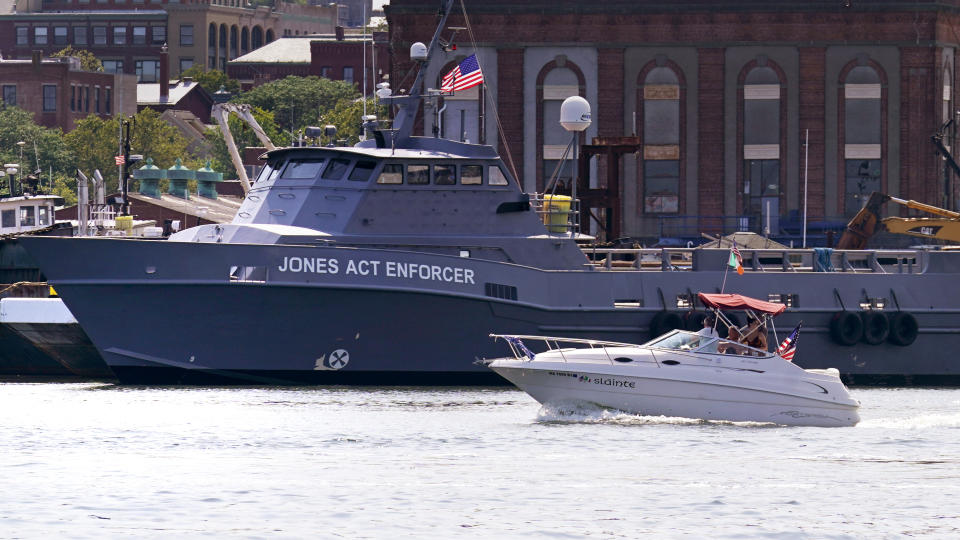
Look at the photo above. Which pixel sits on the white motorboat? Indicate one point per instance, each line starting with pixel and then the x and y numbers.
pixel 682 374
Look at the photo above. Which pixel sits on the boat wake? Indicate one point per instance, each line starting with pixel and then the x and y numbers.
pixel 588 413
pixel 918 422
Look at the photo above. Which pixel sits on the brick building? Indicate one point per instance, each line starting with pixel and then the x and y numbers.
pixel 718 98
pixel 338 56
pixel 59 93
pixel 127 34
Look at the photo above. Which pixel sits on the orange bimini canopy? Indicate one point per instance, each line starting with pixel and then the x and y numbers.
pixel 725 302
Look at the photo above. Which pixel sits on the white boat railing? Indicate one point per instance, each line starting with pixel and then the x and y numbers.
pixel 902 261
pixel 553 345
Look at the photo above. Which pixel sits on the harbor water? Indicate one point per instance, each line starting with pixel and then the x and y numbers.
pixel 92 460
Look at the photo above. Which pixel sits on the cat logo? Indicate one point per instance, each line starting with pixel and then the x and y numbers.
pixel 338 360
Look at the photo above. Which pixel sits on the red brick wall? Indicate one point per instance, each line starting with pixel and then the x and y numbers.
pixel 610 114
pixel 812 111
pixel 918 120
pixel 510 105
pixel 710 172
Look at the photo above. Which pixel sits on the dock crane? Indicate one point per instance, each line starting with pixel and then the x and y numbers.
pixel 221 112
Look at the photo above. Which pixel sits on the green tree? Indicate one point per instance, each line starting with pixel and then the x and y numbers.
pixel 347 115
pixel 298 102
pixel 88 61
pixel 244 137
pixel 42 148
pixel 211 80
pixel 96 141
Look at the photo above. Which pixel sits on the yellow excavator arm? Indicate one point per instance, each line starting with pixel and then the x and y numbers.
pixel 867 222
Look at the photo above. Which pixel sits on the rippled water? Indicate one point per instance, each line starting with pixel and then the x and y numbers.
pixel 95 460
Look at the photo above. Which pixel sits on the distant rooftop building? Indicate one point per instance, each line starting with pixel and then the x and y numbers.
pixel 128 36
pixel 59 93
pixel 337 56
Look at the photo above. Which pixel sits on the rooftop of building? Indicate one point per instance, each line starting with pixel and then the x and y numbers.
pixel 294 49
pixel 149 93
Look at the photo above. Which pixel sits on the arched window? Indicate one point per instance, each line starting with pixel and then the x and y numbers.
pixel 244 40
pixel 557 81
pixel 660 131
pixel 462 116
pixel 234 43
pixel 862 134
pixel 762 134
pixel 212 46
pixel 222 48
pixel 270 36
pixel 256 37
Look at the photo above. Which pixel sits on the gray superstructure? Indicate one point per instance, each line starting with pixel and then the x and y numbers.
pixel 392 261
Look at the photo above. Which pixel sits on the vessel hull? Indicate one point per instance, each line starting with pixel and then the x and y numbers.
pixel 656 394
pixel 167 312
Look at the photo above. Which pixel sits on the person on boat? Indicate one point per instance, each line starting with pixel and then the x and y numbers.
pixel 756 335
pixel 733 336
pixel 708 329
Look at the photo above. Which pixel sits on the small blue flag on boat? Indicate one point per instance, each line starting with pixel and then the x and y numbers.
pixel 515 341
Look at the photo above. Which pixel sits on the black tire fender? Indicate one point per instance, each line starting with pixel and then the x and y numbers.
pixel 876 327
pixel 846 327
pixel 664 322
pixel 903 329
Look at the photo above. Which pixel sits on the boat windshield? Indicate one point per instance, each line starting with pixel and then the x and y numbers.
pixel 679 340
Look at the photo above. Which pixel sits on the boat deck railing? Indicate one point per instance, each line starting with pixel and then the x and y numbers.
pixel 559 213
pixel 907 261
pixel 554 344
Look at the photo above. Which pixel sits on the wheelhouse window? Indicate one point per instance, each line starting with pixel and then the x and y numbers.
pixel 27 216
pixel 44 215
pixel 306 169
pixel 336 169
pixel 444 175
pixel 471 175
pixel 418 174
pixel 496 176
pixel 362 170
pixel 8 218
pixel 268 172
pixel 392 173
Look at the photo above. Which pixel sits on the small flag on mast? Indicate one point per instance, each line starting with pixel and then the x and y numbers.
pixel 788 348
pixel 736 261
pixel 119 159
pixel 465 75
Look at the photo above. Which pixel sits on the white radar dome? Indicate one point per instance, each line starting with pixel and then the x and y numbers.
pixel 418 52
pixel 575 114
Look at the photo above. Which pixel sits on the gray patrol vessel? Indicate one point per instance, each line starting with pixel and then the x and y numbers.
pixel 392 261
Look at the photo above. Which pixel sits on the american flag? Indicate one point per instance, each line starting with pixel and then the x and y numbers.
pixel 119 160
pixel 736 253
pixel 465 75
pixel 789 346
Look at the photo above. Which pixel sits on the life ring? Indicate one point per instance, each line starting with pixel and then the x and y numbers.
pixel 876 327
pixel 664 322
pixel 693 320
pixel 846 327
pixel 903 329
